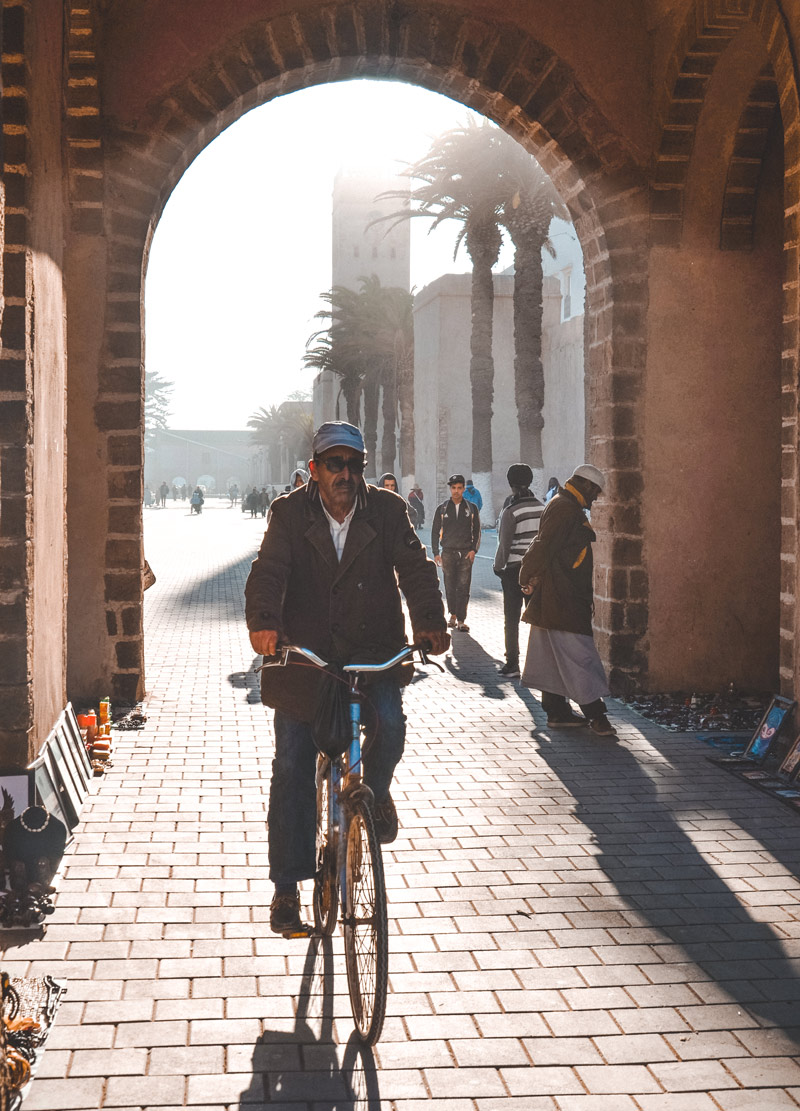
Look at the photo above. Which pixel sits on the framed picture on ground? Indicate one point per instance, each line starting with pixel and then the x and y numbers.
pixel 791 761
pixel 16 793
pixel 47 790
pixel 769 728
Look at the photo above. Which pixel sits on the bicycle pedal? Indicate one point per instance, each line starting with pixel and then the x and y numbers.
pixel 307 931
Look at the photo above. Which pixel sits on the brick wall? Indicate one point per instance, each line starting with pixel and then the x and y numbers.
pixel 16 397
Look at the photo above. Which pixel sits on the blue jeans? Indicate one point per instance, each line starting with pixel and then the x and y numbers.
pixel 293 792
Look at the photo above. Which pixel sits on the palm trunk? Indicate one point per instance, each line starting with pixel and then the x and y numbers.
pixel 483 246
pixel 371 388
pixel 528 368
pixel 405 380
pixel 389 408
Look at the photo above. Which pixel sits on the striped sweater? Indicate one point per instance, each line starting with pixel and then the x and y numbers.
pixel 519 523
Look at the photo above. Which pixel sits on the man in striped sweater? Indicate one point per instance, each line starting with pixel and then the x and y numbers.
pixel 519 523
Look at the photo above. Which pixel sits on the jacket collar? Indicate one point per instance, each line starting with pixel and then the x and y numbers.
pixel 313 495
pixel 359 534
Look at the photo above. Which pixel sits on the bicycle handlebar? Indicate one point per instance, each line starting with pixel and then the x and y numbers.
pixel 285 650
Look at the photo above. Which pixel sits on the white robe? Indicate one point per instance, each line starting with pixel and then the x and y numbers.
pixel 566 664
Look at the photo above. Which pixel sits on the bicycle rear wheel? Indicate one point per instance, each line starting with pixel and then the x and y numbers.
pixel 366 928
pixel 326 878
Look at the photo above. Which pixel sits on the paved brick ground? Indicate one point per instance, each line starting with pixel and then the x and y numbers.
pixel 577 924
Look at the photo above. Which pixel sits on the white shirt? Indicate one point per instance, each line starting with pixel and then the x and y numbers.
pixel 339 531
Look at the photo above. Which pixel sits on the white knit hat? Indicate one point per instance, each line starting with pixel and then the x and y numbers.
pixel 591 473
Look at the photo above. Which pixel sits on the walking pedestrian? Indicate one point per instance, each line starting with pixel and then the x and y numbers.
pixel 519 523
pixel 388 481
pixel 473 494
pixel 456 530
pixel 263 501
pixel 253 502
pixel 552 489
pixel 417 503
pixel 196 502
pixel 163 490
pixel 562 660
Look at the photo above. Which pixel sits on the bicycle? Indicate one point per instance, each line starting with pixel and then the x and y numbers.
pixel 349 876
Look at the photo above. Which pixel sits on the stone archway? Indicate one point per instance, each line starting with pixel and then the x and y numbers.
pixel 732 87
pixel 518 83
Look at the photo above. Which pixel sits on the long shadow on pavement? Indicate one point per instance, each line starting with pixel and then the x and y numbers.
pixel 302 1066
pixel 663 878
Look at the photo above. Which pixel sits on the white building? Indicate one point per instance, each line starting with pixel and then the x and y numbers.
pixel 442 393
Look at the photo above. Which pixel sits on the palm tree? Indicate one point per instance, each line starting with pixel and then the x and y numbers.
pixel 530 203
pixel 339 357
pixel 368 343
pixel 267 425
pixel 461 180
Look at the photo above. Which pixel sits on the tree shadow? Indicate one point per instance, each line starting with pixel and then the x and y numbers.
pixel 668 885
pixel 303 1064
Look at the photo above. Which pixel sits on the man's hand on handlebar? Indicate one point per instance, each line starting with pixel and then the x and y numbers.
pixel 439 641
pixel 265 641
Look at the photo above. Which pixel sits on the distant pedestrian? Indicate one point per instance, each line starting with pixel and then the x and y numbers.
pixel 184 491
pixel 163 490
pixel 519 523
pixel 263 501
pixel 388 481
pixel 556 572
pixel 148 496
pixel 298 478
pixel 196 501
pixel 253 502
pixel 473 494
pixel 552 489
pixel 174 492
pixel 417 503
pixel 233 493
pixel 457 530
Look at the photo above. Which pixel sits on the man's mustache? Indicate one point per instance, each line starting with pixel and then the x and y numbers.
pixel 350 482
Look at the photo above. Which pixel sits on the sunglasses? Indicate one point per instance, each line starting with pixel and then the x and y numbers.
pixel 337 463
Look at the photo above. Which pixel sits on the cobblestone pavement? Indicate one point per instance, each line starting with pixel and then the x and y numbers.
pixel 577 924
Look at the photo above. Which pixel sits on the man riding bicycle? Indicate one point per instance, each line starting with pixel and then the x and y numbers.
pixel 328 576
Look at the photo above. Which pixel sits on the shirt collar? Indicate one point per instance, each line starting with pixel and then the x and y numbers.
pixel 332 520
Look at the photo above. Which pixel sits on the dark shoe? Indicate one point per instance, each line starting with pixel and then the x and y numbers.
pixel 284 916
pixel 602 727
pixel 463 626
pixel 451 624
pixel 565 721
pixel 511 670
pixel 386 823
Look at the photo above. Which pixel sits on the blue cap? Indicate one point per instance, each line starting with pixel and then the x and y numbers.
pixel 337 433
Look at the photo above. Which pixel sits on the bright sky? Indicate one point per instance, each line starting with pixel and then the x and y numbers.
pixel 243 248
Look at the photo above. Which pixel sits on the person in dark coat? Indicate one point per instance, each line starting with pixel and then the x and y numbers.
pixel 556 572
pixel 417 503
pixel 388 481
pixel 328 576
pixel 457 529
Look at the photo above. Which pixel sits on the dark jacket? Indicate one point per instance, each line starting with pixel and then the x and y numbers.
pixel 559 564
pixel 346 612
pixel 460 531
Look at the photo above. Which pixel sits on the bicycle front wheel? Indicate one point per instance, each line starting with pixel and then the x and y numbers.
pixel 326 879
pixel 366 928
